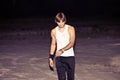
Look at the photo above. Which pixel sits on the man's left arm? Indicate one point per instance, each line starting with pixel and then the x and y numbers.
pixel 72 38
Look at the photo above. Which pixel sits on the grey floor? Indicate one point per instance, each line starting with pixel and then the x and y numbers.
pixel 26 58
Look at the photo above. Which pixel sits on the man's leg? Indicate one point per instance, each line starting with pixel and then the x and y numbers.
pixel 70 68
pixel 60 69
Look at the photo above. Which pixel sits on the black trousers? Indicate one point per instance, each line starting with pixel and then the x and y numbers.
pixel 65 67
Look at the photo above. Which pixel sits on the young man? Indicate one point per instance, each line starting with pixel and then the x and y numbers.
pixel 63 39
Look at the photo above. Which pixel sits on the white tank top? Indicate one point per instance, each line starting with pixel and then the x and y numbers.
pixel 63 40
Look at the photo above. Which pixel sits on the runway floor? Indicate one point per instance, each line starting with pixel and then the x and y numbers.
pixel 27 59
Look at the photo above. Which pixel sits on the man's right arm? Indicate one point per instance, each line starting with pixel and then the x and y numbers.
pixel 53 42
pixel 52 50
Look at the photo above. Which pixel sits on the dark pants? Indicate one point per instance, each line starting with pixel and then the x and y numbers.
pixel 65 67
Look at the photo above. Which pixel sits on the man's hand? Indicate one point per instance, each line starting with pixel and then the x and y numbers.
pixel 51 64
pixel 59 52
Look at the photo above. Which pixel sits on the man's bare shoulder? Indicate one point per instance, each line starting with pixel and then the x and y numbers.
pixel 71 27
pixel 53 31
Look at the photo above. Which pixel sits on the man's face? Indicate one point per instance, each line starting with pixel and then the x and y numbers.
pixel 61 24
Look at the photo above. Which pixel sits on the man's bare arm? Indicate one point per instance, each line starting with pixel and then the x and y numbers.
pixel 53 42
pixel 52 49
pixel 72 39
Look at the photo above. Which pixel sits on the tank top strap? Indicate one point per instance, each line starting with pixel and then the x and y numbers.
pixel 66 26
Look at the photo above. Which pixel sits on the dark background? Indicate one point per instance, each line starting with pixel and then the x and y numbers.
pixel 90 17
pixel 49 8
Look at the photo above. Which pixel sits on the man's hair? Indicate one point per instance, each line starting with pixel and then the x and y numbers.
pixel 60 16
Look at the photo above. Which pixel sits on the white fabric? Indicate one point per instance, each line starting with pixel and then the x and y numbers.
pixel 63 40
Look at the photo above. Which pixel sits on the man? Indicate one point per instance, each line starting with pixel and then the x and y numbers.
pixel 63 39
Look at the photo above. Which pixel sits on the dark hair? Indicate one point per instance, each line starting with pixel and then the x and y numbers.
pixel 60 16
